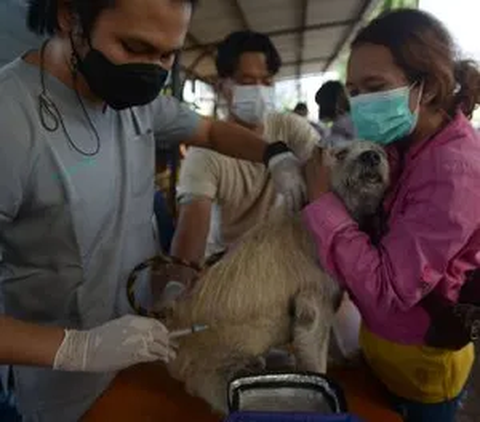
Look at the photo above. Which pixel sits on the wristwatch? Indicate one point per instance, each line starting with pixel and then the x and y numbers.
pixel 274 149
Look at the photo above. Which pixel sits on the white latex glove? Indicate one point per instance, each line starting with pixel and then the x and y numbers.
pixel 286 170
pixel 113 346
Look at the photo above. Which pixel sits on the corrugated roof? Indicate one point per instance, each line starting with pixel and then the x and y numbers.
pixel 309 34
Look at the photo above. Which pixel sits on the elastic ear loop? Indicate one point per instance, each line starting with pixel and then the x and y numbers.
pixel 419 99
pixel 420 93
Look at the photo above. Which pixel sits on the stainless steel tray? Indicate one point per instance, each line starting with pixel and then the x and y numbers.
pixel 286 392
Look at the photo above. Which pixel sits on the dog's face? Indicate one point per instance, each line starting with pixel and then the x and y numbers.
pixel 359 175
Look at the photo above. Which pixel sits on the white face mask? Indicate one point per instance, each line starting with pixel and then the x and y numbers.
pixel 251 103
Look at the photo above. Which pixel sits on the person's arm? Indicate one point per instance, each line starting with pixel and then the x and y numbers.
pixel 235 141
pixel 20 342
pixel 441 215
pixel 115 345
pixel 23 343
pixel 197 189
pixel 191 233
pixel 301 137
pixel 229 139
pixel 176 123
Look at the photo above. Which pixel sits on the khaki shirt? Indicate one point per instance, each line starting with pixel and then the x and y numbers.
pixel 242 191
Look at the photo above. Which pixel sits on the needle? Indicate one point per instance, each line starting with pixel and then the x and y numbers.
pixel 195 328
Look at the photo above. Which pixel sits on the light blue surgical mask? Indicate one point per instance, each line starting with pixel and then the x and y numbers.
pixel 252 103
pixel 384 117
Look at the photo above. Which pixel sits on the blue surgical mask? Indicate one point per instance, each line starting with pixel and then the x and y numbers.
pixel 384 117
pixel 252 103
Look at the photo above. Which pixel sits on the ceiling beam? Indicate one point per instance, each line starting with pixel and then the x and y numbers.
pixel 202 56
pixel 189 71
pixel 241 14
pixel 307 61
pixel 365 7
pixel 191 74
pixel 301 43
pixel 281 32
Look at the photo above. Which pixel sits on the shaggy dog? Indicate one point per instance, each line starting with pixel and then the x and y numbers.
pixel 270 291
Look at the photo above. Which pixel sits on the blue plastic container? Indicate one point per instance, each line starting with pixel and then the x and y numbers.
pixel 289 417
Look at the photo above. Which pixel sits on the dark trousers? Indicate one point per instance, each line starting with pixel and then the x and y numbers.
pixel 8 410
pixel 412 411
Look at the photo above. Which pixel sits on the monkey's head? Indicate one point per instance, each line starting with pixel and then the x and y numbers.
pixel 359 176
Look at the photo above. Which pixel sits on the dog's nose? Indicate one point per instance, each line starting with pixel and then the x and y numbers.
pixel 370 158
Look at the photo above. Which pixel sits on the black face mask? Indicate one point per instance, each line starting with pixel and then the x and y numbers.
pixel 122 86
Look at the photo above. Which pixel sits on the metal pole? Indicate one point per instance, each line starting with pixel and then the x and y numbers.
pixel 177 92
pixel 176 80
pixel 299 88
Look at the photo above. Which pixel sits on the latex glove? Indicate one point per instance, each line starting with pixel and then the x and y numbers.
pixel 115 345
pixel 286 171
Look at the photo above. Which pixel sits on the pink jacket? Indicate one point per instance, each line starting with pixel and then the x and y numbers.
pixel 433 237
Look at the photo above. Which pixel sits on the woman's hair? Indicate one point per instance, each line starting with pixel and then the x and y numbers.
pixel 239 42
pixel 332 97
pixel 423 48
pixel 42 14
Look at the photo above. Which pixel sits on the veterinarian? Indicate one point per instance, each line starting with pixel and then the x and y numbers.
pixel 334 110
pixel 69 239
pixel 220 198
pixel 410 93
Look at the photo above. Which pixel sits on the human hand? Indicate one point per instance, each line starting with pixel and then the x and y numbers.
pixel 317 176
pixel 115 345
pixel 287 177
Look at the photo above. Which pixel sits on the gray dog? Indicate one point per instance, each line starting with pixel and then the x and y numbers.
pixel 269 290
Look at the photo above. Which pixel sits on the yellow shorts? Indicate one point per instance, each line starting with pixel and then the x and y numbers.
pixel 419 373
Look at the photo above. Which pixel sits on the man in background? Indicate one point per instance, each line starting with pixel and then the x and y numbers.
pixel 302 110
pixel 334 111
pixel 221 198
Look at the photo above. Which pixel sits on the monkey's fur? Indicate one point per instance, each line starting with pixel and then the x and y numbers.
pixel 269 290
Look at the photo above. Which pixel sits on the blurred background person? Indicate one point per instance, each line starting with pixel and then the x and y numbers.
pixel 334 111
pixel 302 110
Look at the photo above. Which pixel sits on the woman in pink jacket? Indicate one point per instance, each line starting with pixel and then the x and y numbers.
pixel 409 93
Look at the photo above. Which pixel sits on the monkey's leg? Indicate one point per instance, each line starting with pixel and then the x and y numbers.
pixel 212 384
pixel 311 331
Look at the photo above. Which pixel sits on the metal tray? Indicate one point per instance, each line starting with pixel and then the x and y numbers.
pixel 286 392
